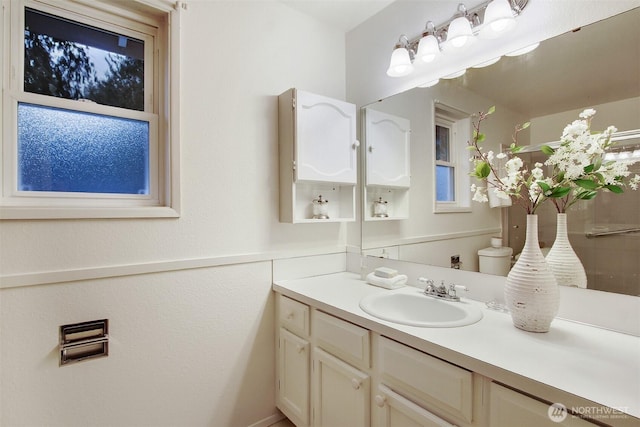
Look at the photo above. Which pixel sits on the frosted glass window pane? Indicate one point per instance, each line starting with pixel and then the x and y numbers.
pixel 445 184
pixel 69 151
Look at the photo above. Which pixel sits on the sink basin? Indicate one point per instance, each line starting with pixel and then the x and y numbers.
pixel 409 306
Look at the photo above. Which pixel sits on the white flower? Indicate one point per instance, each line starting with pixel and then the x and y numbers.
pixel 480 196
pixel 501 156
pixel 589 112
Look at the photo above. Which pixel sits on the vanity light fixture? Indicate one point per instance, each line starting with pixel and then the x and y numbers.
pixel 498 19
pixel 429 45
pixel 459 33
pixel 489 20
pixel 400 64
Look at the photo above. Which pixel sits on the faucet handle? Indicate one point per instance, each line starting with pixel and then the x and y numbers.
pixel 425 281
pixel 453 288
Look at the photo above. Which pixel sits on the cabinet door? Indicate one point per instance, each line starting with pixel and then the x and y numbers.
pixel 341 393
pixel 396 411
pixel 293 377
pixel 326 145
pixel 387 143
pixel 510 408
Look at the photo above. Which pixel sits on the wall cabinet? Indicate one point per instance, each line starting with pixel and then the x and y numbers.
pixel 318 153
pixel 387 164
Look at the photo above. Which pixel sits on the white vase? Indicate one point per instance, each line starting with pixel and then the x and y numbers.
pixel 531 292
pixel 564 262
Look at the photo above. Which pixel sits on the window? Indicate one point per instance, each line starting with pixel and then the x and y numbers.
pixel 451 133
pixel 87 126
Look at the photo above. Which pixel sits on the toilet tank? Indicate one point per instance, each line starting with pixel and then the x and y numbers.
pixel 496 261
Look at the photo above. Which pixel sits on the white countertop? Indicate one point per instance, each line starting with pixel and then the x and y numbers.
pixel 591 363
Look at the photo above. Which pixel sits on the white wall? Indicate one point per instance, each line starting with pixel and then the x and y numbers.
pixel 191 347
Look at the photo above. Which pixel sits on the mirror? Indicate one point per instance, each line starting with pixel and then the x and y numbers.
pixel 549 87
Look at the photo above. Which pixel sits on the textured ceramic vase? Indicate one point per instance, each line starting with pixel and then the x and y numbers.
pixel 564 262
pixel 531 292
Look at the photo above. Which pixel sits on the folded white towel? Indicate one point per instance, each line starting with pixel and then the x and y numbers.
pixel 388 283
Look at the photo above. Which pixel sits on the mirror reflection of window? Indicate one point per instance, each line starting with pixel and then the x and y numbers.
pixel 445 170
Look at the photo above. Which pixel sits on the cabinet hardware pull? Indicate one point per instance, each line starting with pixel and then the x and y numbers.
pixel 356 384
pixel 356 144
pixel 380 400
pixel 299 348
pixel 290 315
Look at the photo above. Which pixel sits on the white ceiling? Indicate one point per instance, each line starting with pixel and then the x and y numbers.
pixel 342 14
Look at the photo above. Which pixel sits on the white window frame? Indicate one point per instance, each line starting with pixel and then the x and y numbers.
pixel 460 127
pixel 155 22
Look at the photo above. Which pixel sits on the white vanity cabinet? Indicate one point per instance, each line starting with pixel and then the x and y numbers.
pixel 387 165
pixel 293 366
pixel 509 408
pixel 433 385
pixel 341 384
pixel 318 153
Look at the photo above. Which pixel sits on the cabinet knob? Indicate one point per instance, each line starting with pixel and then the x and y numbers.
pixel 289 315
pixel 371 149
pixel 299 348
pixel 355 383
pixel 380 401
pixel 356 144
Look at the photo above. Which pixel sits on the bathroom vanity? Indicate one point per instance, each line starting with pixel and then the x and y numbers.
pixel 339 366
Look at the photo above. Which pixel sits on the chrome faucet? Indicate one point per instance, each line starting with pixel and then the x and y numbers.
pixel 441 291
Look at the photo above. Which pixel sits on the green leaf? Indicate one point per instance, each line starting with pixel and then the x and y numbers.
pixel 515 149
pixel 545 187
pixel 597 164
pixel 588 168
pixel 482 170
pixel 547 150
pixel 587 184
pixel 614 189
pixel 480 137
pixel 560 192
pixel 470 147
pixel 586 195
pixel 491 110
pixel 525 125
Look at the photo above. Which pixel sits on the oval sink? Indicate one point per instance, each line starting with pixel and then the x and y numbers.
pixel 409 306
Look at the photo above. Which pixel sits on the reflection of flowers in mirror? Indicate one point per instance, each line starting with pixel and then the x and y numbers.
pixel 581 167
pixel 584 165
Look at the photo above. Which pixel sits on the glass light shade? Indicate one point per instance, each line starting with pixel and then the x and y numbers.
pixel 400 64
pixel 459 32
pixel 498 19
pixel 523 50
pixel 428 49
